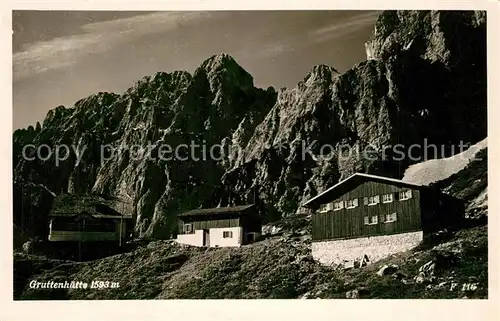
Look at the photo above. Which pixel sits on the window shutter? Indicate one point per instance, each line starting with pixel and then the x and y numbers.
pixel 376 219
pixel 377 199
pixel 365 201
pixel 367 220
pixel 409 194
pixel 355 202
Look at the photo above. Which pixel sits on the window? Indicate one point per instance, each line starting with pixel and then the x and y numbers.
pixel 352 203
pixel 326 207
pixel 188 228
pixel 391 217
pixel 372 200
pixel 227 234
pixel 338 205
pixel 387 198
pixel 404 195
pixel 371 220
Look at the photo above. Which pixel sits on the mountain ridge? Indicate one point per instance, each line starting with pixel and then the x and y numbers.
pixel 407 91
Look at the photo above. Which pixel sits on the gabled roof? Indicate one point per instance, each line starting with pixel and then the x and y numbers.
pixel 353 181
pixel 94 205
pixel 217 210
pixel 118 216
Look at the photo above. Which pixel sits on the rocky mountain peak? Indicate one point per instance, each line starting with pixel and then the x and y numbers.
pixel 320 74
pixel 101 99
pixel 175 78
pixel 322 71
pixel 223 71
pixel 219 61
pixel 56 114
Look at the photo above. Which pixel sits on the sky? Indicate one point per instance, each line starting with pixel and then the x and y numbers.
pixel 60 57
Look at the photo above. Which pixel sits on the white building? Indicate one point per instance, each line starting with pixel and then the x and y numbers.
pixel 220 227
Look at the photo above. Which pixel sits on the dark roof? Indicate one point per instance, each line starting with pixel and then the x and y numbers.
pixel 217 210
pixel 352 181
pixel 94 205
pixel 91 214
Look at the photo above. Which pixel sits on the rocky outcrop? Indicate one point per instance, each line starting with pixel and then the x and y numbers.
pixel 114 141
pixel 416 95
pixel 434 35
pixel 276 149
pixel 453 43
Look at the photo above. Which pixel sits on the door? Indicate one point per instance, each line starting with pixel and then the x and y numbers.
pixel 250 238
pixel 206 238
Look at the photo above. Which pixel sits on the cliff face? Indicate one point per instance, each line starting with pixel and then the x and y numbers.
pixel 425 79
pixel 450 37
pixel 452 48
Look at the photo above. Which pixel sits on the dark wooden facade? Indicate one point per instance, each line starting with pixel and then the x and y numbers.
pixel 239 216
pixel 86 218
pixel 427 209
pixel 84 227
pixel 347 223
pixel 208 222
pixel 83 223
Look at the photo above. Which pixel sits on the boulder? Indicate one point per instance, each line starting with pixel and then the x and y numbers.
pixel 420 278
pixel 445 259
pixel 428 268
pixel 388 269
pixel 398 276
pixel 353 294
pixel 356 293
pixel 28 247
pixel 177 258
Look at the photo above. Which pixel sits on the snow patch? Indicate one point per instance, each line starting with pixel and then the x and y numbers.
pixel 435 170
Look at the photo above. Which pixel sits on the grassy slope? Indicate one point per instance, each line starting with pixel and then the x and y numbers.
pixel 278 267
pixel 275 268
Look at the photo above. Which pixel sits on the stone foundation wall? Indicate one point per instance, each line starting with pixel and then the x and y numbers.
pixel 375 247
